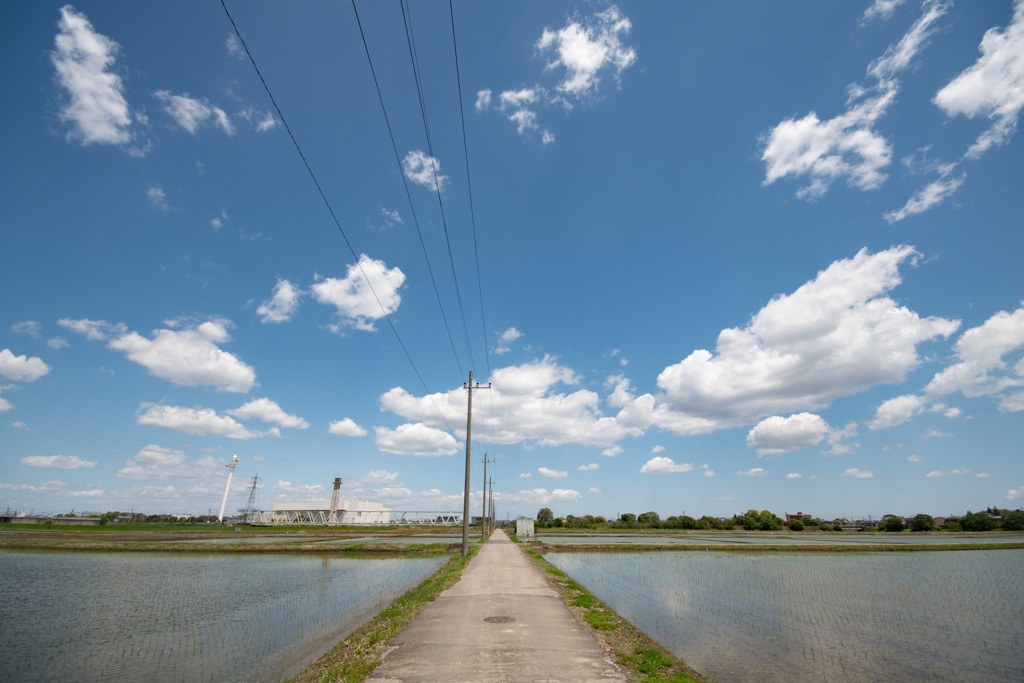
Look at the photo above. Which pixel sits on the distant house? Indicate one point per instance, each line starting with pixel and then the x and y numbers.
pixel 799 515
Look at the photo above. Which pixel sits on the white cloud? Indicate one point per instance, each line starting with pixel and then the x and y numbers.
pixel 847 145
pixel 416 439
pixel 526 475
pixel 896 411
pixel 982 370
pixel 552 474
pixel 154 462
pixel 534 497
pixel 506 338
pixel 775 435
pixel 345 427
pixel 483 99
pixel 30 327
pixel 424 170
pixel 60 462
pixel 93 493
pixel 982 475
pixel 1013 494
pixel 262 121
pixel 198 421
pixel 1013 403
pixel 234 46
pixel 96 330
pixel 285 490
pixel 936 434
pixel 190 113
pixel 5 405
pixel 612 451
pixel 97 110
pixel 57 343
pixel 858 473
pixel 157 198
pixel 881 9
pixel 585 50
pixel 661 465
pixel 993 86
pixel 939 473
pixel 913 458
pixel 834 336
pixel 22 368
pixel 189 357
pixel 753 472
pixel 282 303
pixel 524 407
pixel 929 196
pixel 368 291
pixel 268 411
pixel 794 475
pixel 658 449
pixel 709 473
pixel 588 468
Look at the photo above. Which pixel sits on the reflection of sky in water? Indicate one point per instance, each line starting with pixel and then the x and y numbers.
pixel 157 617
pixel 943 616
pixel 849 538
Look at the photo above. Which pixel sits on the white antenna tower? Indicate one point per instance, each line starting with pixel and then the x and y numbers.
pixel 231 470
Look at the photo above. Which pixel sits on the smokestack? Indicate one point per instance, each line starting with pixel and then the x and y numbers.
pixel 334 498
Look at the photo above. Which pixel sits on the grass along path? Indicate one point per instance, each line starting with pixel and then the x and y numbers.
pixel 641 656
pixel 355 658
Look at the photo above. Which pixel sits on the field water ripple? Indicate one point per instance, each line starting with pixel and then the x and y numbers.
pixel 151 617
pixel 931 616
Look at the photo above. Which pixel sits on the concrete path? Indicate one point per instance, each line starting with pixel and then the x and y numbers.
pixel 501 622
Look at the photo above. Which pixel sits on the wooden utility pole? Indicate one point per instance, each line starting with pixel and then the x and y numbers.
pixel 469 429
pixel 483 516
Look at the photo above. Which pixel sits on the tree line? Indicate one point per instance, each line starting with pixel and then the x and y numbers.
pixel 992 519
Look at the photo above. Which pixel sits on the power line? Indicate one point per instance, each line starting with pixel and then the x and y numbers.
pixel 330 209
pixel 469 184
pixel 472 217
pixel 410 41
pixel 405 184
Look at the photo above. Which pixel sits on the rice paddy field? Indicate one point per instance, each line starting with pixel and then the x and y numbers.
pixel 157 617
pixel 951 615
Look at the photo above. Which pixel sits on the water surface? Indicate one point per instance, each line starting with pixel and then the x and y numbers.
pixel 169 617
pixel 895 616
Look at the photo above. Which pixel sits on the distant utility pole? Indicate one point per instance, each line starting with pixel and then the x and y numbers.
pixel 465 497
pixel 491 505
pixel 483 516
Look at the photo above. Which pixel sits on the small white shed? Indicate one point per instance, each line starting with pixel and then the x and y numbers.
pixel 524 527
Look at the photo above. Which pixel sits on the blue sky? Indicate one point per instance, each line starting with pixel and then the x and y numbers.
pixel 709 256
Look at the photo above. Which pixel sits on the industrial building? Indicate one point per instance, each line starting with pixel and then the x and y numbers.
pixel 337 512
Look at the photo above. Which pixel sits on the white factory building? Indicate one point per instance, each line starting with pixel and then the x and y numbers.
pixel 326 512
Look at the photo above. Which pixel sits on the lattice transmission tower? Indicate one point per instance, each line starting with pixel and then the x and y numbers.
pixel 252 505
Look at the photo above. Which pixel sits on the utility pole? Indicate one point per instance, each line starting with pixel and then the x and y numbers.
pixel 465 497
pixel 483 515
pixel 491 505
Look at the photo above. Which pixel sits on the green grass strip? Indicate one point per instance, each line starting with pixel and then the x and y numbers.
pixel 643 658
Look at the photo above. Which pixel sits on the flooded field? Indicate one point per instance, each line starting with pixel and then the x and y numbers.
pixel 160 617
pixel 932 616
